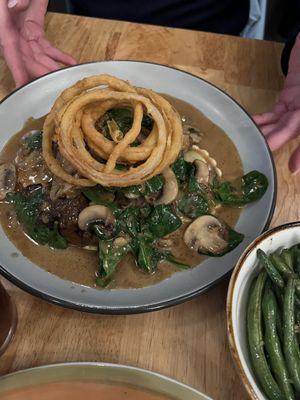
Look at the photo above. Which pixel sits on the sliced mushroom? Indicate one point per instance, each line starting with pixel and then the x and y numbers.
pixel 207 235
pixel 170 188
pixel 96 214
pixel 7 179
pixel 202 155
pixel 202 172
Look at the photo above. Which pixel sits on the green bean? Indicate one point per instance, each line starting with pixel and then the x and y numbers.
pixel 255 339
pixel 281 266
pixel 297 318
pixel 289 337
pixel 295 250
pixel 287 257
pixel 274 275
pixel 272 342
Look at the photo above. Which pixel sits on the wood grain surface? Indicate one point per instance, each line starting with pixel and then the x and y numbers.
pixel 187 342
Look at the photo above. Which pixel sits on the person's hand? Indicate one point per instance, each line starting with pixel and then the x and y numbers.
pixel 283 123
pixel 27 52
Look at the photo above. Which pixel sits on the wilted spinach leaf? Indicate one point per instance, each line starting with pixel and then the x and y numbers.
pixel 34 141
pixel 193 205
pixel 124 118
pixel 193 185
pixel 162 221
pixel 55 239
pixel 128 220
pixel 27 209
pixel 250 187
pixel 181 169
pixel 110 256
pixel 100 195
pixel 153 185
pixel 170 259
pixel 148 257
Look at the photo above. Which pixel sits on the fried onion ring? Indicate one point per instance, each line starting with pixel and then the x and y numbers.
pixel 71 124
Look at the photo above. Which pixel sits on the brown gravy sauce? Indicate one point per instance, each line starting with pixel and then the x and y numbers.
pixel 79 391
pixel 79 265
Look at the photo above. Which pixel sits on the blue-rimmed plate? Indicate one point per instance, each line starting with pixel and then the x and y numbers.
pixel 35 100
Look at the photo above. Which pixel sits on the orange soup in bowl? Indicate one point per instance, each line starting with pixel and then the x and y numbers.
pixel 81 390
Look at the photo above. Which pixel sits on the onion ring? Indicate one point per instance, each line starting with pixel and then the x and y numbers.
pixel 71 124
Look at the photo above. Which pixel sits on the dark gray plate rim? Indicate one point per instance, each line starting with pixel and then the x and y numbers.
pixel 163 304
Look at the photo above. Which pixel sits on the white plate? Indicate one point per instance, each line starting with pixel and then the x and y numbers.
pixel 35 100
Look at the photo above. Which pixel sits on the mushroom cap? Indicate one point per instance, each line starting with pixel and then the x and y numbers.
pixel 170 188
pixel 7 179
pixel 94 213
pixel 206 235
pixel 202 172
pixel 202 155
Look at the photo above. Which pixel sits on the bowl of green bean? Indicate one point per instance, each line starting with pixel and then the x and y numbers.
pixel 263 314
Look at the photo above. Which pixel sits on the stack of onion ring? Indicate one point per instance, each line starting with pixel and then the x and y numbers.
pixel 71 124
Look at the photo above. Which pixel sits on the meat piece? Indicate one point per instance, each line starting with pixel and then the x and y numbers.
pixel 66 212
pixel 32 169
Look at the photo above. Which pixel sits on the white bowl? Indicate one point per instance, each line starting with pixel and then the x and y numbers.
pixel 245 271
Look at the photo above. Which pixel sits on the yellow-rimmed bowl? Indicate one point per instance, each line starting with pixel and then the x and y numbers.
pixel 247 268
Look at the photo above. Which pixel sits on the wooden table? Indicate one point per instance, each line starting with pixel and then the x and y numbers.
pixel 187 342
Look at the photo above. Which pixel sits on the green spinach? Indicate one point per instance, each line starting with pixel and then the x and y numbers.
pixel 27 208
pixel 124 118
pixel 181 169
pixel 100 195
pixel 162 221
pixel 250 187
pixel 153 185
pixel 109 258
pixel 34 141
pixel 149 257
pixel 193 205
pixel 128 220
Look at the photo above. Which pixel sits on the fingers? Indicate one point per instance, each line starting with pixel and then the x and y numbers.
pixel 34 67
pixel 13 57
pixel 266 118
pixel 56 54
pixel 266 129
pixel 9 41
pixel 17 5
pixel 41 57
pixel 287 128
pixel 294 162
pixel 272 116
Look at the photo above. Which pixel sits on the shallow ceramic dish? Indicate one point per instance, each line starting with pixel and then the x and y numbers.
pixel 35 100
pixel 245 271
pixel 100 372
